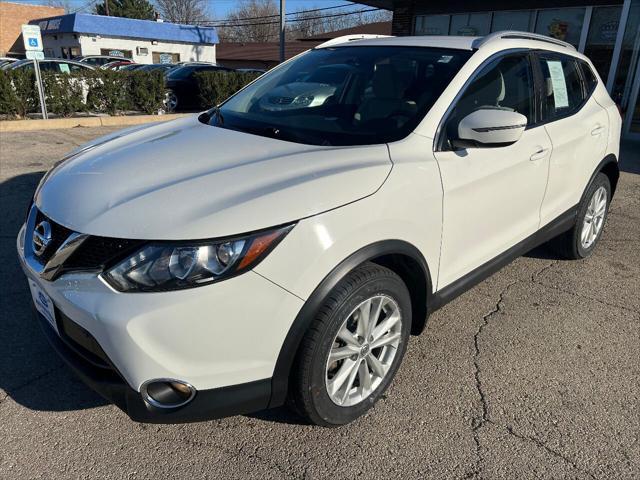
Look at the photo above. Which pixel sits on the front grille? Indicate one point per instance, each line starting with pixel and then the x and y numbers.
pixel 93 254
pixel 281 100
pixel 58 235
pixel 96 253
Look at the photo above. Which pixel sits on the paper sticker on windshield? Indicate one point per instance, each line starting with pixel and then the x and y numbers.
pixel 445 58
pixel 560 95
pixel 64 68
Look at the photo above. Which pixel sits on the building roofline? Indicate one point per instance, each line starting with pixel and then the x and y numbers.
pixel 126 28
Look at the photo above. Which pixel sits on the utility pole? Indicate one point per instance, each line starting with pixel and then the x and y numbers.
pixel 106 7
pixel 282 24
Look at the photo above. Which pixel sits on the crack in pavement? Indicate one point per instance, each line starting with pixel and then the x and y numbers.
pixel 484 418
pixel 586 297
pixel 535 278
pixel 544 446
pixel 479 421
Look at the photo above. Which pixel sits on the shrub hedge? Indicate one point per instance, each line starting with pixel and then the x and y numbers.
pixel 217 86
pixel 105 91
pixel 98 91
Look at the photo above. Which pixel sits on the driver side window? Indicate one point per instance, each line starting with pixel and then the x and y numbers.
pixel 504 84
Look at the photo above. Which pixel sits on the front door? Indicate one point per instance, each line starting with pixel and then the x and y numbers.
pixel 492 196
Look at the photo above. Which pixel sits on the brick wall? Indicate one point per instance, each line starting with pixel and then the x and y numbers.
pixel 403 12
pixel 13 16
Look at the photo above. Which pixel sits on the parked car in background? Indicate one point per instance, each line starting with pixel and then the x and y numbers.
pixel 165 67
pixel 7 61
pixel 182 86
pixel 250 70
pixel 99 60
pixel 310 90
pixel 220 263
pixel 133 66
pixel 56 65
pixel 117 65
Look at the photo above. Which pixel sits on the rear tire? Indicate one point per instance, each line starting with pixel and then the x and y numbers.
pixel 344 363
pixel 581 240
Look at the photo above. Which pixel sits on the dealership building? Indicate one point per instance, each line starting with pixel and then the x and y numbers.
pixel 143 41
pixel 607 31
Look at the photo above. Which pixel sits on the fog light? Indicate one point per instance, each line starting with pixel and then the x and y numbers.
pixel 167 393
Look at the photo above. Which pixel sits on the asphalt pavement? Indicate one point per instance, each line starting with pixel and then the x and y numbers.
pixel 534 373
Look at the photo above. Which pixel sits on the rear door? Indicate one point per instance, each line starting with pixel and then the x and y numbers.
pixel 492 195
pixel 578 127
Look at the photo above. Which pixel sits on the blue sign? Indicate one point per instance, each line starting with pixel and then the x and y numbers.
pixel 33 42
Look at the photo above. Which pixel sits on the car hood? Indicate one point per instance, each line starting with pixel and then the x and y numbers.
pixel 187 180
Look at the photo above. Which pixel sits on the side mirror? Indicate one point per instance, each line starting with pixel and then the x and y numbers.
pixel 490 128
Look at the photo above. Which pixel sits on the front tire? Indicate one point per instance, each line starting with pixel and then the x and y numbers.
pixel 581 240
pixel 170 101
pixel 354 347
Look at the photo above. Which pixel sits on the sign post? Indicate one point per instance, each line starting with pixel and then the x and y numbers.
pixel 33 48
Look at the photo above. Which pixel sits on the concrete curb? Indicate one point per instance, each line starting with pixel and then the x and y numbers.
pixel 55 123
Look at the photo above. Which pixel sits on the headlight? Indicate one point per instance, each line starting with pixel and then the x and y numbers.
pixel 170 266
pixel 303 100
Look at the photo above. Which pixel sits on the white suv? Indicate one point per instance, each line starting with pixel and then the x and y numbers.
pixel 287 243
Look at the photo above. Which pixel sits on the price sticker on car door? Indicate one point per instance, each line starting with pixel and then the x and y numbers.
pixel 43 304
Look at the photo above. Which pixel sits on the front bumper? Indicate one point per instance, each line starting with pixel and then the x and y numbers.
pixel 224 339
pixel 206 405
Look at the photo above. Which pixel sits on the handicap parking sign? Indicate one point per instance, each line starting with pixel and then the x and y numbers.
pixel 32 38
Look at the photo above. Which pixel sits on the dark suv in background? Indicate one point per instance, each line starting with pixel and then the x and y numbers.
pixel 182 86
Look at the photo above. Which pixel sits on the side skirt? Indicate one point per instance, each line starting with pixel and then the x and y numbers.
pixel 554 228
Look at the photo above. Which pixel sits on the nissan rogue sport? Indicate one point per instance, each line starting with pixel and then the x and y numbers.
pixel 283 246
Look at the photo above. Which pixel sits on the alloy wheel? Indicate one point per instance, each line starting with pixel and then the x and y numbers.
pixel 363 350
pixel 594 218
pixel 170 101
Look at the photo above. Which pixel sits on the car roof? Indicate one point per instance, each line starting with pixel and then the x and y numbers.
pixel 56 60
pixel 493 41
pixel 461 43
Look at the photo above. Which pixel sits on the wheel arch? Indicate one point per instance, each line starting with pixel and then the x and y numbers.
pixel 608 166
pixel 397 255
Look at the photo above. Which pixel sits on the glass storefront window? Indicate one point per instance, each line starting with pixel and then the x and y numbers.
pixel 432 25
pixel 628 57
pixel 603 29
pixel 470 24
pixel 515 20
pixel 561 23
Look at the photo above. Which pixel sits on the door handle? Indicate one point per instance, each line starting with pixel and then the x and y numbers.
pixel 539 154
pixel 597 130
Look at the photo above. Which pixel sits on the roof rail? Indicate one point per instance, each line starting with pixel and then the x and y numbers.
pixel 514 34
pixel 349 38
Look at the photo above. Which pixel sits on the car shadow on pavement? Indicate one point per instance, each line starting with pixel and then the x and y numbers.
pixel 31 373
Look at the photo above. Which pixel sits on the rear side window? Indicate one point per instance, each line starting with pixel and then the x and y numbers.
pixel 562 92
pixel 590 78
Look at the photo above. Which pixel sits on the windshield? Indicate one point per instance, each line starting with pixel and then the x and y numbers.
pixel 344 95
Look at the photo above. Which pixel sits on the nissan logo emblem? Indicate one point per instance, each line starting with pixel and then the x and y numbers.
pixel 41 237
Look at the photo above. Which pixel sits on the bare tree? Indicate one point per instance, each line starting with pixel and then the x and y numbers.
pixel 182 11
pixel 257 21
pixel 66 4
pixel 243 26
pixel 305 23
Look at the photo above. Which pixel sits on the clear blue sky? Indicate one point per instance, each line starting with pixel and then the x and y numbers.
pixel 218 9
